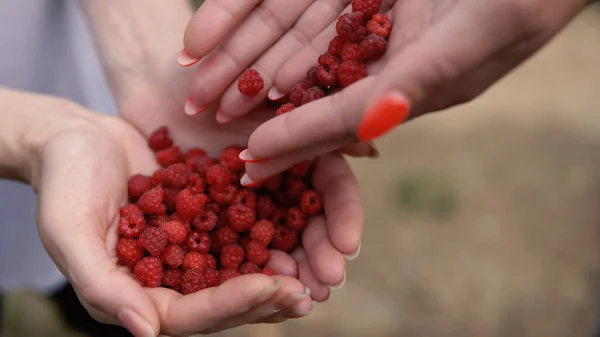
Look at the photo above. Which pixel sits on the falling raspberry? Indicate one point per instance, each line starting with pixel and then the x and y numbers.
pixel 250 83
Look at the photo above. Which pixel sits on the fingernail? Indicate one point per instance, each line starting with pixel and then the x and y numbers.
pixel 341 285
pixel 355 255
pixel 274 94
pixel 222 117
pixel 135 323
pixel 246 157
pixel 374 150
pixel 269 291
pixel 389 111
pixel 302 296
pixel 191 109
pixel 186 60
pixel 296 314
pixel 247 182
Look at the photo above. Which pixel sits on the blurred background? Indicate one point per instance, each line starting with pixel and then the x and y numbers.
pixel 481 221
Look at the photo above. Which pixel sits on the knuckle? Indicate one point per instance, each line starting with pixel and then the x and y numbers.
pixel 271 20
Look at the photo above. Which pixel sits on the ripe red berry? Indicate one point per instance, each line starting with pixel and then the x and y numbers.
pixel 263 232
pixel 225 235
pixel 222 195
pixel 172 278
pixel 170 198
pixel 176 175
pixel 190 205
pixel 172 256
pixel 294 190
pixel 300 170
pixel 273 183
pixel 130 209
pixel 151 202
pixel 285 239
pixel 250 83
pixel 131 226
pixel 212 277
pixel 279 217
pixel 138 185
pixel 246 197
pixel 175 230
pixel 230 158
pixel 149 272
pixel 350 26
pixel 156 178
pixel 192 281
pixel 196 184
pixel 160 139
pixel 380 24
pixel 169 156
pixel 218 175
pixel 241 218
pixel 265 206
pixel 154 240
pixel 211 262
pixel 129 252
pixel 311 203
pixel 268 271
pixel 186 223
pixel 228 274
pixel 249 268
pixel 350 51
pixel 367 7
pixel 327 70
pixel 202 164
pixel 205 222
pixel 198 242
pixel 285 109
pixel 312 94
pixel 335 46
pixel 157 221
pixel 257 252
pixel 350 72
pixel 232 255
pixel 297 93
pixel 296 219
pixel 244 240
pixel 372 48
pixel 194 260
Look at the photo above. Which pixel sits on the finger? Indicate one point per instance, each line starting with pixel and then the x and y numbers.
pixel 282 263
pixel 361 149
pixel 314 20
pixel 328 265
pixel 259 31
pixel 211 23
pixel 79 199
pixel 318 291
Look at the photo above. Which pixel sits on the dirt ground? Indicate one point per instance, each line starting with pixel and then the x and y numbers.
pixel 481 221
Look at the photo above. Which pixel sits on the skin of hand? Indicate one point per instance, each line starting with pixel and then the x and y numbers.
pixel 440 53
pixel 150 89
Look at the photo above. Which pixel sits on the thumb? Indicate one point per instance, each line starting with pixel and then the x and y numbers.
pixel 80 191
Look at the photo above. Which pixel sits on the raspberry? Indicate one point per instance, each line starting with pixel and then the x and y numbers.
pixel 246 197
pixel 312 94
pixel 172 277
pixel 190 205
pixel 175 175
pixel 380 24
pixel 372 48
pixel 279 217
pixel 160 140
pixel 131 226
pixel 154 240
pixel 350 51
pixel 194 260
pixel 196 184
pixel 273 183
pixel 241 218
pixel 156 178
pixel 149 271
pixel 296 219
pixel 311 203
pixel 205 222
pixel 301 169
pixel 223 195
pixel 350 72
pixel 263 232
pixel 192 281
pixel 157 221
pixel 257 252
pixel 230 158
pixel 244 240
pixel 285 239
pixel 211 262
pixel 228 274
pixel 218 175
pixel 138 185
pixel 367 7
pixel 265 207
pixel 249 268
pixel 194 154
pixel 130 209
pixel 335 46
pixel 350 26
pixel 169 156
pixel 327 71
pixel 250 83
pixel 185 222
pixel 297 93
pixel 311 79
pixel 170 198
pixel 285 109
pixel 202 164
pixel 268 271
pixel 198 242
pixel 175 231
pixel 129 252
pixel 294 190
pixel 151 202
pixel 231 256
pixel 225 235
pixel 172 256
pixel 212 277
pixel 212 207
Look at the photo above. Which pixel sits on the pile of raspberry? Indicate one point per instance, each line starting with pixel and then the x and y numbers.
pixel 362 37
pixel 191 225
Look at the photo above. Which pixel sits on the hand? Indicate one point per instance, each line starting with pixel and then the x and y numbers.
pixel 440 53
pixel 81 179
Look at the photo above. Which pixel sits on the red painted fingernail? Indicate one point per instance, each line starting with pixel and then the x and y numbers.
pixel 247 158
pixel 191 109
pixel 247 182
pixel 389 111
pixel 186 60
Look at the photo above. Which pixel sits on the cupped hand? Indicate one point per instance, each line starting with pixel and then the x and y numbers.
pixel 81 180
pixel 440 53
